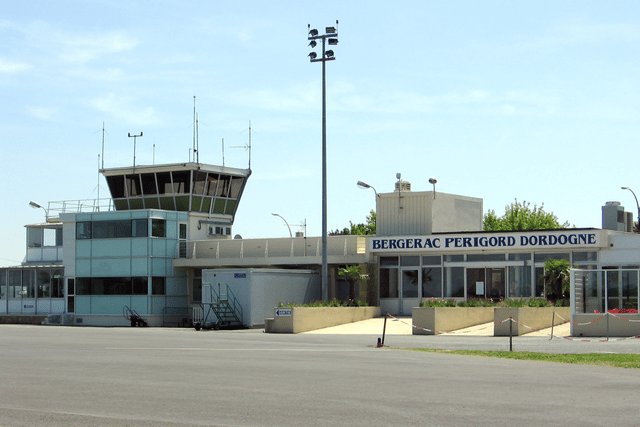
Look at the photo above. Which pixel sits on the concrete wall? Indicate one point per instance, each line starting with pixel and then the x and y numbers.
pixel 445 319
pixel 303 319
pixel 533 317
pixel 600 325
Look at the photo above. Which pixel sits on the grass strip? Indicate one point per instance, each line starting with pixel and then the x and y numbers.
pixel 629 361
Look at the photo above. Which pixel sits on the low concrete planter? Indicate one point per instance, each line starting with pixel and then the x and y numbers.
pixel 533 317
pixel 302 319
pixel 599 325
pixel 446 319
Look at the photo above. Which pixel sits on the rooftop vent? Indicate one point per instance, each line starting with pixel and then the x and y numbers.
pixel 403 186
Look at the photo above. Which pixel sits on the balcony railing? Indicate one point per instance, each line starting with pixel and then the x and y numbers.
pixel 79 206
pixel 272 248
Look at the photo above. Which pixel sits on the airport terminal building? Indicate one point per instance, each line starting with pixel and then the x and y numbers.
pixel 146 248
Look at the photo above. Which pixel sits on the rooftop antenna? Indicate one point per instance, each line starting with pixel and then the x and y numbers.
pixel 399 184
pixel 197 152
pixel 134 147
pixel 194 127
pixel 222 152
pixel 98 207
pixel 246 147
pixel 102 147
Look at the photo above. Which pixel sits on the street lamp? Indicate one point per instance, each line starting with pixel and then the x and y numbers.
pixel 34 205
pixel 285 221
pixel 637 204
pixel 330 37
pixel 363 185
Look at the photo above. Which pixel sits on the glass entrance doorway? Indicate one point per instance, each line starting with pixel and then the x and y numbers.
pixel 485 283
pixel 409 290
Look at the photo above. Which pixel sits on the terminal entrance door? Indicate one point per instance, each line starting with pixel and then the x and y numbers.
pixel 485 282
pixel 409 290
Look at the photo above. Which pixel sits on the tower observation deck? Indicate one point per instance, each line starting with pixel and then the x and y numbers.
pixel 213 191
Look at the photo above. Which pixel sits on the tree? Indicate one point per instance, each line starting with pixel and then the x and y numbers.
pixel 557 278
pixel 351 273
pixel 519 216
pixel 359 229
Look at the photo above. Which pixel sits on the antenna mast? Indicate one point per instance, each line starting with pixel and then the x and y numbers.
pixel 99 168
pixel 102 145
pixel 197 152
pixel 194 127
pixel 246 146
pixel 222 152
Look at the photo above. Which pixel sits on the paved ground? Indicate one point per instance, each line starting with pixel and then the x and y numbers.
pixel 81 376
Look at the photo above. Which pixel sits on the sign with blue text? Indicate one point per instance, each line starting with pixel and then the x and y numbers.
pixel 283 311
pixel 534 240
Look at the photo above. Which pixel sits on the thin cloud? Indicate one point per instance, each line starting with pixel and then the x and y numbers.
pixel 11 67
pixel 84 49
pixel 122 108
pixel 42 113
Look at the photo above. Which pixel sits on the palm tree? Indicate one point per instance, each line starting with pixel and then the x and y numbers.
pixel 351 274
pixel 556 278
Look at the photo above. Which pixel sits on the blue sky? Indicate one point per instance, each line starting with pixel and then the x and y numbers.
pixel 500 100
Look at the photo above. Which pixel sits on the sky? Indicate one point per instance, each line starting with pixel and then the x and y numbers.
pixel 500 100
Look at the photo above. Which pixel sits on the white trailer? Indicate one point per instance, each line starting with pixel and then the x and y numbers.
pixel 257 291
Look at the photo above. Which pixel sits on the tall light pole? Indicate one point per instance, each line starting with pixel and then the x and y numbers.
pixel 285 221
pixel 637 204
pixel 330 37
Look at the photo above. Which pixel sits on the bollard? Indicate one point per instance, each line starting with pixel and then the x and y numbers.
pixel 379 343
pixel 510 333
pixel 384 327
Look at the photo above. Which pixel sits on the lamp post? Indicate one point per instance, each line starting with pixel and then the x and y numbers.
pixel 364 185
pixel 637 204
pixel 285 221
pixel 330 37
pixel 34 205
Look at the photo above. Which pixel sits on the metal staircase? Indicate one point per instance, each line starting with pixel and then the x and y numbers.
pixel 221 304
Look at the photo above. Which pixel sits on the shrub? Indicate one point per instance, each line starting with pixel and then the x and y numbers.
pixel 434 302
pixel 481 302
pixel 329 303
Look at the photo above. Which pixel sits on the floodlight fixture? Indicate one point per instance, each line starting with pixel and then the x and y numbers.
pixel 313 55
pixel 313 32
pixel 433 181
pixel 329 54
pixel 332 41
pixel 330 30
pixel 313 43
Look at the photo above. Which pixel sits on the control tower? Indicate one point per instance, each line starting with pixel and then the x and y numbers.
pixel 203 190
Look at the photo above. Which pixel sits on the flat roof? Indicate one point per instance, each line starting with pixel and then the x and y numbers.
pixel 188 166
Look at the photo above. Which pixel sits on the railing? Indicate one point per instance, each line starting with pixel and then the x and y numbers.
pixel 271 248
pixel 79 206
